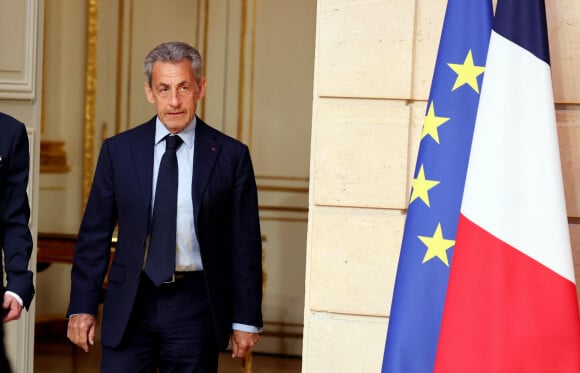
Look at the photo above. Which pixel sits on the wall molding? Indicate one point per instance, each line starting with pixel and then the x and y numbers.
pixel 18 73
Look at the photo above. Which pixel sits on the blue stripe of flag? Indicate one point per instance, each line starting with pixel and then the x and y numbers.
pixel 524 23
pixel 420 288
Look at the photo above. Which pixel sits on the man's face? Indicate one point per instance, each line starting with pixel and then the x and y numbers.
pixel 175 93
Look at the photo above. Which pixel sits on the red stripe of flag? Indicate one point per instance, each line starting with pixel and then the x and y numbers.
pixel 518 318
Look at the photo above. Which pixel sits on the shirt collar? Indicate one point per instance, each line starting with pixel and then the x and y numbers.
pixel 187 135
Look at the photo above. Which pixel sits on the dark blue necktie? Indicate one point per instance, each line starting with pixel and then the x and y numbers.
pixel 160 264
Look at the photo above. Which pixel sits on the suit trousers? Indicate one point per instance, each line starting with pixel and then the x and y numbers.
pixel 171 329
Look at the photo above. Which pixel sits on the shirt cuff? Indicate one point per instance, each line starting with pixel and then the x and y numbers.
pixel 16 296
pixel 246 328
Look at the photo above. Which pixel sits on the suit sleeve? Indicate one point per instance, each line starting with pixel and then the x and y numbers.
pixel 93 246
pixel 16 240
pixel 246 246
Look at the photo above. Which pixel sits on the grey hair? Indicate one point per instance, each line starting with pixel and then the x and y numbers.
pixel 174 51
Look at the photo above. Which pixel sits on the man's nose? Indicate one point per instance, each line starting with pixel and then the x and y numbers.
pixel 174 98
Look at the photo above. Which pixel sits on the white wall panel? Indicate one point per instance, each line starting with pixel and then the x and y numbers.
pixel 18 45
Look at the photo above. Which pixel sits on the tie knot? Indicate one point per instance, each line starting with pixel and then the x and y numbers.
pixel 172 142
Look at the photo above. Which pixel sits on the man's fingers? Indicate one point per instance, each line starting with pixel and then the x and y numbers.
pixel 81 341
pixel 14 308
pixel 84 346
pixel 242 342
pixel 81 330
pixel 92 335
pixel 239 351
pixel 78 339
pixel 13 314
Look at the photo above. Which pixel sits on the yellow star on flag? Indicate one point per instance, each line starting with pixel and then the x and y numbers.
pixel 437 246
pixel 432 123
pixel 467 73
pixel 421 187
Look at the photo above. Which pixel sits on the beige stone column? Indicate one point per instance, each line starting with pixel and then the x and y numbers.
pixel 361 128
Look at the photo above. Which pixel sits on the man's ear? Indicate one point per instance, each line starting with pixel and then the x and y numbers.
pixel 202 86
pixel 149 93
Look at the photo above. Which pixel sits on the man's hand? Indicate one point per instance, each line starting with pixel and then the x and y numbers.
pixel 81 330
pixel 14 309
pixel 242 342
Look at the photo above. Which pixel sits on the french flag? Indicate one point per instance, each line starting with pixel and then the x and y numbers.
pixel 511 303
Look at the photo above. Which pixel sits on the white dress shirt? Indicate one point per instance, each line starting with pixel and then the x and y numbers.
pixel 188 257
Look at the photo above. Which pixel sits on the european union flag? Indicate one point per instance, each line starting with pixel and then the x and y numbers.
pixel 429 238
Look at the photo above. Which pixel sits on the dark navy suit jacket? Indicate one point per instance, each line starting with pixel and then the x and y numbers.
pixel 15 238
pixel 225 206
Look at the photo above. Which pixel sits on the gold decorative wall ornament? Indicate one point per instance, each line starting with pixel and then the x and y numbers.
pixel 53 157
pixel 90 95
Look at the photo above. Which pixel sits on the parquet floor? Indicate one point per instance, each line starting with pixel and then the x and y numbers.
pixel 62 357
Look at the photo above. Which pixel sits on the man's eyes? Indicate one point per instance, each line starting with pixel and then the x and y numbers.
pixel 183 89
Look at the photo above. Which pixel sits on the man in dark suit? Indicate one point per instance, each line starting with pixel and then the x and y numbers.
pixel 15 238
pixel 174 321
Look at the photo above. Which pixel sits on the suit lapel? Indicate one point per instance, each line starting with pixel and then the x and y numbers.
pixel 142 154
pixel 205 155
